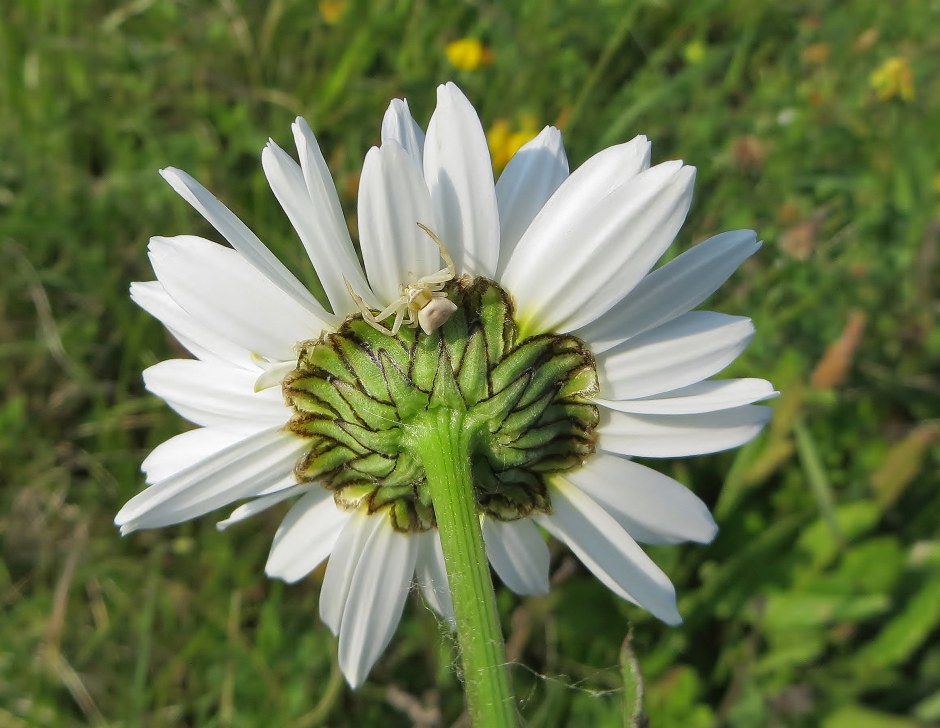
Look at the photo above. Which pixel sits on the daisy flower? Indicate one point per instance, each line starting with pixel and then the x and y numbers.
pixel 541 320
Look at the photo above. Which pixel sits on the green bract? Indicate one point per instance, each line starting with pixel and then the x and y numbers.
pixel 359 396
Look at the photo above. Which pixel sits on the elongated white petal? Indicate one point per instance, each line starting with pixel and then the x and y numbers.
pixel 203 342
pixel 393 199
pixel 186 449
pixel 347 551
pixel 609 552
pixel 224 292
pixel 313 217
pixel 237 471
pixel 664 436
pixel 518 553
pixel 683 351
pixel 399 126
pixel 240 237
pixel 375 600
pixel 529 180
pixel 574 263
pixel 594 180
pixel 431 574
pixel 459 174
pixel 670 291
pixel 263 503
pixel 216 395
pixel 323 198
pixel 708 396
pixel 652 507
pixel 306 536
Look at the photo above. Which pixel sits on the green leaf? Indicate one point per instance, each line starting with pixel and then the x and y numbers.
pixel 909 629
pixel 856 716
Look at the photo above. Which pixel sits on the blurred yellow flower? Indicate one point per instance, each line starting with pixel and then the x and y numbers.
pixel 893 79
pixel 694 52
pixel 935 183
pixel 332 10
pixel 504 141
pixel 468 54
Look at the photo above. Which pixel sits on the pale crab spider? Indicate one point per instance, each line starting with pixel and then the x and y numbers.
pixel 423 302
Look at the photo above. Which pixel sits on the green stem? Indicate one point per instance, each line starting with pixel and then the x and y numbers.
pixel 442 440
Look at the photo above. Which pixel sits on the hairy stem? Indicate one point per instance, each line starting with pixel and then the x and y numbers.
pixel 443 440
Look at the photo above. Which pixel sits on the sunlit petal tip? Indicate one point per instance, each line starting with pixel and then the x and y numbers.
pixel 459 174
pixel 172 174
pixel 668 436
pixel 673 618
pixel 532 176
pixel 711 395
pixel 158 244
pixel 652 507
pixel 398 125
pixel 681 352
pixel 609 551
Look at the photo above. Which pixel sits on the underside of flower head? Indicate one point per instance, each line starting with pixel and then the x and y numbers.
pixel 357 394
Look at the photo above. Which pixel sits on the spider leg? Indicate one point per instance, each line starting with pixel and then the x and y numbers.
pixel 390 309
pixel 357 299
pixel 398 319
pixel 371 320
pixel 366 313
pixel 435 279
pixel 451 269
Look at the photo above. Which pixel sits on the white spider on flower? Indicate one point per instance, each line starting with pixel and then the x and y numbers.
pixel 423 302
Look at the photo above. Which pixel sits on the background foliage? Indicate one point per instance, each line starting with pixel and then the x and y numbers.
pixel 819 602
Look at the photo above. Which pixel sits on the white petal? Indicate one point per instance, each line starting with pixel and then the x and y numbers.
pixel 313 216
pixel 339 571
pixel 306 536
pixel 186 449
pixel 216 395
pixel 609 551
pixel 375 600
pixel 708 396
pixel 600 175
pixel 399 126
pixel 431 574
pixel 393 199
pixel 323 197
pixel 240 237
pixel 518 554
pixel 224 292
pixel 237 471
pixel 575 262
pixel 677 287
pixel 683 351
pixel 203 342
pixel 529 180
pixel 659 436
pixel 652 507
pixel 459 174
pixel 263 503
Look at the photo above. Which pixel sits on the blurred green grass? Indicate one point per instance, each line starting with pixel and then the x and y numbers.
pixel 819 602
